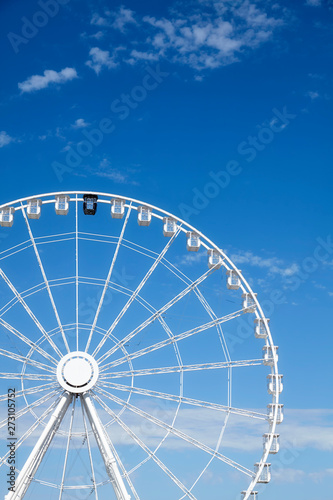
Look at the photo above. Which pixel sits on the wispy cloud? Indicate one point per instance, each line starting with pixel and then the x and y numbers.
pixel 117 19
pixel 5 139
pixel 313 3
pixel 122 17
pixel 38 82
pixel 106 170
pixel 80 123
pixel 312 94
pixel 206 34
pixel 272 264
pixel 100 59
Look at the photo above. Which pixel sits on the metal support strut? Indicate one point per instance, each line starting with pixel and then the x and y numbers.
pixel 36 456
pixel 104 446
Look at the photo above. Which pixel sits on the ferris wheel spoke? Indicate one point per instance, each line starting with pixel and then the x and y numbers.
pixel 31 390
pixel 180 434
pixel 211 313
pixel 27 341
pixel 137 291
pixel 144 447
pixel 109 276
pixel 39 260
pixel 28 310
pixel 182 399
pixel 77 272
pixel 174 339
pixel 31 429
pixel 67 450
pixel 23 359
pixel 181 368
pixel 157 314
pixel 218 444
pixel 31 406
pixel 26 376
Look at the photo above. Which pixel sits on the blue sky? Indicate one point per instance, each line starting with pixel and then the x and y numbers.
pixel 219 112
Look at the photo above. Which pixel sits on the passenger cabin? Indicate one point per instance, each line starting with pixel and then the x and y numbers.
pixel 249 302
pixel 34 209
pixel 233 279
pixel 169 226
pixel 144 215
pixel 214 259
pixel 90 204
pixel 274 383
pixel 7 217
pixel 275 411
pixel 117 208
pixel 274 440
pixel 260 330
pixel 62 204
pixel 193 241
pixel 253 495
pixel 265 475
pixel 268 353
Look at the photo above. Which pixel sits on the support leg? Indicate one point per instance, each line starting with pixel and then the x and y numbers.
pixel 103 443
pixel 36 456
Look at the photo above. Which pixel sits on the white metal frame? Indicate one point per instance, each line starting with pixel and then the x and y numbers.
pixel 107 378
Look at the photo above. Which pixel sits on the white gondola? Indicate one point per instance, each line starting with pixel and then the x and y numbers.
pixel 233 279
pixel 268 353
pixel 169 226
pixel 117 208
pixel 193 241
pixel 265 475
pixel 34 208
pixel 7 217
pixel 260 330
pixel 144 215
pixel 253 495
pixel 214 259
pixel 62 204
pixel 274 383
pixel 274 440
pixel 249 302
pixel 275 411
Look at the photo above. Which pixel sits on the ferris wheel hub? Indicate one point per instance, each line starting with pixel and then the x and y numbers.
pixel 77 372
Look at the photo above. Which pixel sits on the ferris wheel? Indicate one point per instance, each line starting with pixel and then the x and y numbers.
pixel 135 358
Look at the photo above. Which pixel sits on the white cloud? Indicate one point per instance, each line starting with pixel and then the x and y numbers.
pixel 190 258
pixel 313 3
pixel 319 476
pixel 206 34
pixel 312 94
pixel 107 171
pixel 211 37
pixel 38 82
pixel 123 17
pixel 272 264
pixel 80 123
pixel 117 19
pixel 5 139
pixel 287 475
pixel 98 20
pixel 99 59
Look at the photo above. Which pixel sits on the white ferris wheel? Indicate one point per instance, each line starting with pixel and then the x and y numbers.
pixel 125 346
